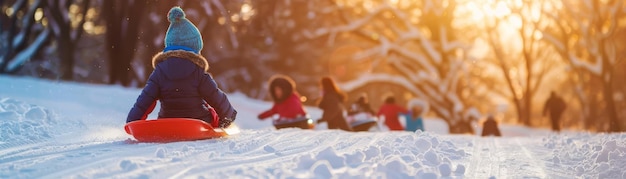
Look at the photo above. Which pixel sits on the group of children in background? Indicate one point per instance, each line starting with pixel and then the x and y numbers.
pixel 360 116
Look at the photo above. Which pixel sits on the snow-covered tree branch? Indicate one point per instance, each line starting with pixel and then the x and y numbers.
pixel 427 66
pixel 67 30
pixel 23 36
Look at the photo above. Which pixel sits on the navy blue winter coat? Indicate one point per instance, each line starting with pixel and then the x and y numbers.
pixel 184 89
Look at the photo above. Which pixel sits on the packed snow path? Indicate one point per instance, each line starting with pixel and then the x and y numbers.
pixel 252 153
pixel 505 157
pixel 68 130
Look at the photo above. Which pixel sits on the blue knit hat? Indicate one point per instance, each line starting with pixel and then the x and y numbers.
pixel 182 34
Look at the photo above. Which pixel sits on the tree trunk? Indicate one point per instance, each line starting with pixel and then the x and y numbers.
pixel 66 54
pixel 9 51
pixel 123 22
pixel 527 97
pixel 527 107
pixel 607 72
pixel 112 35
pixel 527 47
pixel 518 109
pixel 607 80
pixel 149 50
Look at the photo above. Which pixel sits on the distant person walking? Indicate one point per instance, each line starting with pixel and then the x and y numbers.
pixel 490 127
pixel 332 105
pixel 555 105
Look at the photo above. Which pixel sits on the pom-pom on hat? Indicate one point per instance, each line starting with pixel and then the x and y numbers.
pixel 182 34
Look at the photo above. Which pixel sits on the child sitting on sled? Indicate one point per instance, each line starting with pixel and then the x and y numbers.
pixel 490 127
pixel 361 105
pixel 286 104
pixel 180 80
pixel 361 115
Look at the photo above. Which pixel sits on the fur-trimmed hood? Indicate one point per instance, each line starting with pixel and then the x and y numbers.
pixel 195 58
pixel 421 103
pixel 283 82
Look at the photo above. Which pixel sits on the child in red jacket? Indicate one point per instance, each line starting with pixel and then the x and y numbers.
pixel 390 110
pixel 286 104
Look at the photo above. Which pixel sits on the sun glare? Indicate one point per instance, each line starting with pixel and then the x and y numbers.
pixel 232 129
pixel 38 15
pixel 486 12
pixel 247 12
pixel 480 10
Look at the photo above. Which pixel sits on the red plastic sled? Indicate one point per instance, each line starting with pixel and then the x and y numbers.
pixel 171 130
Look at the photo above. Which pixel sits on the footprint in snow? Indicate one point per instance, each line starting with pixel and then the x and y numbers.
pixel 269 149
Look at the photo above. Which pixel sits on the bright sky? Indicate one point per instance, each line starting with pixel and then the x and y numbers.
pixel 483 13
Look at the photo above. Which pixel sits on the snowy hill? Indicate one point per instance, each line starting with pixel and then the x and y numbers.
pixel 69 130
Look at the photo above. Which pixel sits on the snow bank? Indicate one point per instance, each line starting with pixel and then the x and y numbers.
pixel 24 122
pixel 408 156
pixel 295 153
pixel 589 155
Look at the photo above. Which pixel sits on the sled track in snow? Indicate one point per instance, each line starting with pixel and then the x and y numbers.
pixel 505 157
pixel 16 147
pixel 290 152
pixel 242 150
pixel 53 159
pixel 246 149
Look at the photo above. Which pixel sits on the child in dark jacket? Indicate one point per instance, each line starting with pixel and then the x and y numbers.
pixel 180 80
pixel 286 104
pixel 490 127
pixel 332 105
pixel 390 110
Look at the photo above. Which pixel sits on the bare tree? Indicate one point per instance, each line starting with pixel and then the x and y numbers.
pixel 151 35
pixel 585 36
pixel 21 36
pixel 530 64
pixel 123 20
pixel 67 27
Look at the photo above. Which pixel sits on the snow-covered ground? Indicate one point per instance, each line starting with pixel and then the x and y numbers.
pixel 70 130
